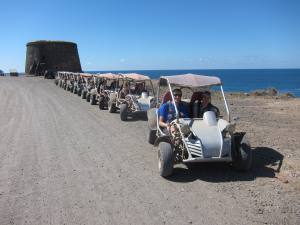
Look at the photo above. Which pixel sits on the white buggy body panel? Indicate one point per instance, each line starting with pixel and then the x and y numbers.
pixel 94 91
pixel 207 142
pixel 145 101
pixel 141 103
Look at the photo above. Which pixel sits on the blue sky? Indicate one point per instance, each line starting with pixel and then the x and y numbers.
pixel 165 34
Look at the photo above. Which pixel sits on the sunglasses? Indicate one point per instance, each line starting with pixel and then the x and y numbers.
pixel 179 95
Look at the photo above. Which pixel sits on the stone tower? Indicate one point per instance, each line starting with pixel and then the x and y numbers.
pixel 51 55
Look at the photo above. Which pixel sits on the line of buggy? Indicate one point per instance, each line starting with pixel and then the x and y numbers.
pixel 196 138
pixel 125 93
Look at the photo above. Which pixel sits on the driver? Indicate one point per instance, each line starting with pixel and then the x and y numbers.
pixel 167 111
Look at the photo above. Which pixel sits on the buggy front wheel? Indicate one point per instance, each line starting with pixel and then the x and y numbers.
pixel 93 100
pixel 79 92
pixel 165 159
pixel 123 112
pixel 88 97
pixel 83 95
pixel 111 107
pixel 101 102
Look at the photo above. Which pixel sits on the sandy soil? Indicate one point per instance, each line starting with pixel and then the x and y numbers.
pixel 63 161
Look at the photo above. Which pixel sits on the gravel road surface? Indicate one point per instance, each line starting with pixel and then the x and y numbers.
pixel 63 161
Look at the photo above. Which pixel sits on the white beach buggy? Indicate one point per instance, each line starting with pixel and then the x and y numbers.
pixel 191 140
pixel 136 94
pixel 108 85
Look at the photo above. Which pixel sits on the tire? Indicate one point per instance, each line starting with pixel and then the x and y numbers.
pixel 101 103
pixel 79 92
pixel 71 89
pixel 123 112
pixel 68 88
pixel 88 97
pixel 93 100
pixel 83 95
pixel 151 136
pixel 75 90
pixel 111 107
pixel 152 118
pixel 65 87
pixel 165 159
pixel 242 154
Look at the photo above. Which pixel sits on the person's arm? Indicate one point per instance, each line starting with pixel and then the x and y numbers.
pixel 163 116
pixel 162 123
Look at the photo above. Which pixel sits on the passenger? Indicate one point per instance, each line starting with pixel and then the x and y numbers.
pixel 102 86
pixel 125 90
pixel 91 85
pixel 206 105
pixel 139 88
pixel 167 111
pixel 113 85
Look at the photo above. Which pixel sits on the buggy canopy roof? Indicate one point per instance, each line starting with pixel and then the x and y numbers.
pixel 191 80
pixel 135 76
pixel 86 75
pixel 109 76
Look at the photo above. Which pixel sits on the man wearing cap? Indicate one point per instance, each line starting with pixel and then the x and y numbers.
pixel 167 111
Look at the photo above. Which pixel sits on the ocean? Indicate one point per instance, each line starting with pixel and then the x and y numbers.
pixel 239 80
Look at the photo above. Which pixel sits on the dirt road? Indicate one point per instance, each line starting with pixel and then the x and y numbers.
pixel 63 161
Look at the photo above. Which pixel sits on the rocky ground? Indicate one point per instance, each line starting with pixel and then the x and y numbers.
pixel 63 161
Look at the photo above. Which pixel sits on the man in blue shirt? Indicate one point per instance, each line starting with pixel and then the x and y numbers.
pixel 167 111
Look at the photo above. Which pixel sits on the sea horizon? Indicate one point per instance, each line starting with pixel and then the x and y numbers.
pixel 237 80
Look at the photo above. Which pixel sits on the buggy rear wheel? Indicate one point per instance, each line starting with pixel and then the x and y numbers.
pixel 79 92
pixel 151 136
pixel 123 112
pixel 165 159
pixel 101 103
pixel 242 154
pixel 93 100
pixel 83 95
pixel 88 97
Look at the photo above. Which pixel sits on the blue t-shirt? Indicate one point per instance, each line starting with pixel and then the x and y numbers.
pixel 168 113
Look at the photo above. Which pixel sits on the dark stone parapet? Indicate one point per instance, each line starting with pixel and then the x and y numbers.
pixel 46 42
pixel 45 55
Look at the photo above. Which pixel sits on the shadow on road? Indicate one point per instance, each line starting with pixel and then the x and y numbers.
pixel 138 116
pixel 266 162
